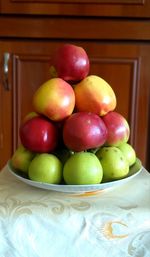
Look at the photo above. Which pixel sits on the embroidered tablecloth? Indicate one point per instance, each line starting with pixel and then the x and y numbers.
pixel 42 223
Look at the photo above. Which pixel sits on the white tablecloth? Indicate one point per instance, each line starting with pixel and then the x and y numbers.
pixel 40 223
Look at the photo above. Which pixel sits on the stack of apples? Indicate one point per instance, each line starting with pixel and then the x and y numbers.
pixel 74 135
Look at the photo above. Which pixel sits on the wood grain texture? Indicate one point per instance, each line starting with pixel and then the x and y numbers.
pixel 74 28
pixel 103 8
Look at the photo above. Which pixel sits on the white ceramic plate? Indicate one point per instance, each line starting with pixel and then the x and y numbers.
pixel 134 171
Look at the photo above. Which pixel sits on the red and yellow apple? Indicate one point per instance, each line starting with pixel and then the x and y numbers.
pixel 117 127
pixel 39 134
pixel 54 99
pixel 94 94
pixel 70 62
pixel 83 130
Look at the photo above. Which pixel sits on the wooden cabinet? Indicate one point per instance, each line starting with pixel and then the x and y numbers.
pixel 124 66
pixel 103 8
pixel 116 36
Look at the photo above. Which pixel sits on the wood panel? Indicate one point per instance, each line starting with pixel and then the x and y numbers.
pixel 124 66
pixel 1 119
pixel 103 8
pixel 140 55
pixel 6 121
pixel 30 71
pixel 125 84
pixel 122 2
pixel 66 28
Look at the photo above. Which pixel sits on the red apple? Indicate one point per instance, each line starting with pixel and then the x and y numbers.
pixel 55 99
pixel 70 62
pixel 94 94
pixel 83 130
pixel 39 134
pixel 117 127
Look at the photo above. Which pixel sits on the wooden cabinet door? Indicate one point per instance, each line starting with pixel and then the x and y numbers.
pixel 27 69
pixel 6 113
pixel 124 66
pixel 107 8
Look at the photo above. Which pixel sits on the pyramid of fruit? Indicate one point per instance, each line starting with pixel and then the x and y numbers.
pixel 74 135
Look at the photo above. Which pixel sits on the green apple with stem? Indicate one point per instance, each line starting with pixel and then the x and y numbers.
pixel 46 168
pixel 21 159
pixel 114 164
pixel 82 168
pixel 128 152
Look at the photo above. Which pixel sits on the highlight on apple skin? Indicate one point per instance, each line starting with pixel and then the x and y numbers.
pixel 70 62
pixel 55 99
pixel 117 127
pixel 83 131
pixel 94 94
pixel 39 135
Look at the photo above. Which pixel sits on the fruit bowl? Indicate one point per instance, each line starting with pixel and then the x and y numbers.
pixel 78 189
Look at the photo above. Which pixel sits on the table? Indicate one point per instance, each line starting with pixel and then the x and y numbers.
pixel 40 223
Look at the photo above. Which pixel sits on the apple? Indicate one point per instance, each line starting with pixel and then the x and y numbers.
pixel 70 62
pixel 94 94
pixel 114 164
pixel 84 130
pixel 54 99
pixel 46 168
pixel 118 129
pixel 128 152
pixel 21 159
pixel 39 134
pixel 29 116
pixel 82 168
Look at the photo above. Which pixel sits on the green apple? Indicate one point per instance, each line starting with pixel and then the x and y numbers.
pixel 21 159
pixel 114 164
pixel 82 168
pixel 46 168
pixel 128 152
